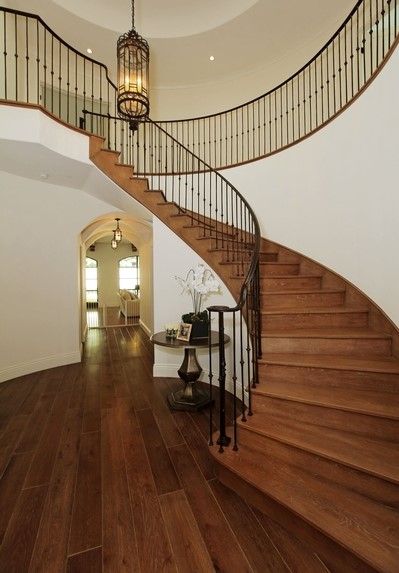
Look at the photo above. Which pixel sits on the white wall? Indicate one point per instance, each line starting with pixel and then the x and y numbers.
pixel 334 197
pixel 146 287
pixel 41 220
pixel 173 258
pixel 40 226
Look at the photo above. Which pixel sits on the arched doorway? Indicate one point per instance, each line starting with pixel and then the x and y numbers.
pixel 107 272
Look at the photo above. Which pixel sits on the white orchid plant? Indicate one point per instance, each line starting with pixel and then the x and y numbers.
pixel 199 283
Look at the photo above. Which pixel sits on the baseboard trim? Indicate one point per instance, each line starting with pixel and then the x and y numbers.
pixel 37 365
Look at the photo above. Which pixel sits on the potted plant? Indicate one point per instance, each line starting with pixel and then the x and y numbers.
pixel 199 283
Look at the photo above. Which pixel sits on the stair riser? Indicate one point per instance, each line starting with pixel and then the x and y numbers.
pixel 268 257
pixel 315 320
pixel 327 377
pixel 271 269
pixel 268 410
pixel 289 283
pixel 229 244
pixel 334 346
pixel 231 258
pixel 280 301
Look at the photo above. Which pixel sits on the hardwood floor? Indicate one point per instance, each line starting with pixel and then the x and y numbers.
pixel 100 476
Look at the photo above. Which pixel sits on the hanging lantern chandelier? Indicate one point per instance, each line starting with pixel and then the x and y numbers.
pixel 133 55
pixel 117 232
pixel 116 239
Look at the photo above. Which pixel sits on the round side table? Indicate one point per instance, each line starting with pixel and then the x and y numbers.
pixel 190 398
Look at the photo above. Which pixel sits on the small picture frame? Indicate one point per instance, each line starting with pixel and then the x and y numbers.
pixel 184 331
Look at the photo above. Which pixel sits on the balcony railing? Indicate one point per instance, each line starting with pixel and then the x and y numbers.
pixel 39 68
pixel 303 103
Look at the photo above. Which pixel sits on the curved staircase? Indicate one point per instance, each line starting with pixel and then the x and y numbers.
pixel 320 454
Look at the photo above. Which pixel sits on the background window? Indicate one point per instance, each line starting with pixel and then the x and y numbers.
pixel 91 280
pixel 129 274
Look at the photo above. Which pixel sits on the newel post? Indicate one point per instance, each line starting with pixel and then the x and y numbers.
pixel 223 439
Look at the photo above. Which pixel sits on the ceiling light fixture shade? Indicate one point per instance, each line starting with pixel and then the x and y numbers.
pixel 114 243
pixel 117 232
pixel 133 55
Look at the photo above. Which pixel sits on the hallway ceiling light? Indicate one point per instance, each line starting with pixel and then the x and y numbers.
pixel 133 54
pixel 116 239
pixel 117 232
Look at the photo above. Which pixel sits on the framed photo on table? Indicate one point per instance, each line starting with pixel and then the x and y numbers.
pixel 184 332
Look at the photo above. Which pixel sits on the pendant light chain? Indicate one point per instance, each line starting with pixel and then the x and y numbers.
pixel 133 28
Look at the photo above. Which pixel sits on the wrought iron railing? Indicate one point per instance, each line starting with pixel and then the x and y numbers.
pixel 303 103
pixel 221 215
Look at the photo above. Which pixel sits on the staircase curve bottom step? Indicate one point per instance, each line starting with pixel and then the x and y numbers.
pixel 352 529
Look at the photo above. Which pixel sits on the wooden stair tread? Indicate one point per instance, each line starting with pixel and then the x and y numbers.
pixel 302 291
pixel 330 508
pixel 276 263
pixel 362 453
pixel 382 364
pixel 315 310
pixel 374 402
pixel 326 332
pixel 288 276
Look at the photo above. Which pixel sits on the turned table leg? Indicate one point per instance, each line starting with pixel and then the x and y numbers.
pixel 191 398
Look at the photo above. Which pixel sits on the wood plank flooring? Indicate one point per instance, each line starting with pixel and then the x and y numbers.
pixel 98 475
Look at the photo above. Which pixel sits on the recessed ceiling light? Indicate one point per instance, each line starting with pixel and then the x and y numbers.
pixel 89 51
pixel 211 58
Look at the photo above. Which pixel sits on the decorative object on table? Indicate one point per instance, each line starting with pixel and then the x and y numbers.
pixel 184 332
pixel 199 283
pixel 171 329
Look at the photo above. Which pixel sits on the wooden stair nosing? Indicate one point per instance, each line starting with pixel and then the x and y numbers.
pixel 311 503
